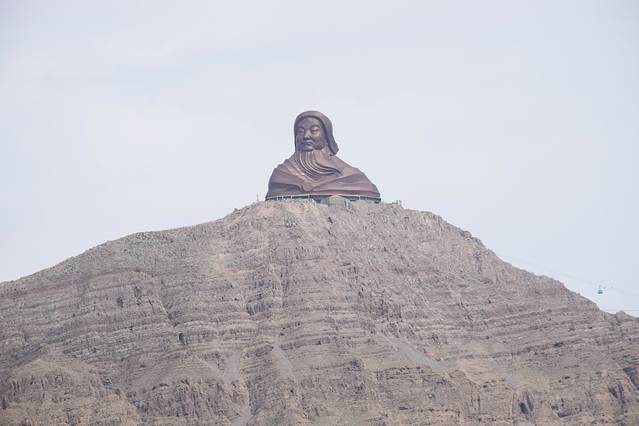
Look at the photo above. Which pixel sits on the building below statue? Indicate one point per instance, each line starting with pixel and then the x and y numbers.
pixel 314 171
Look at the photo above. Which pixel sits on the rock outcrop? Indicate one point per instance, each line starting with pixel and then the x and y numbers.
pixel 295 313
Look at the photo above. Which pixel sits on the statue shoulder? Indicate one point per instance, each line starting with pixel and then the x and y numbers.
pixel 344 167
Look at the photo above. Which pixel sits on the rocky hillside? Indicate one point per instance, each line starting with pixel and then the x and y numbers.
pixel 295 313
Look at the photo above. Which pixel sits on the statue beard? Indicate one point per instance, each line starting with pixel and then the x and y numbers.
pixel 315 163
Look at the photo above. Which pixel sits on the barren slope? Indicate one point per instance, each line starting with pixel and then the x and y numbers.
pixel 290 312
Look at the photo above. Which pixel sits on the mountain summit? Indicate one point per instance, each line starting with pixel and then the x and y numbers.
pixel 289 312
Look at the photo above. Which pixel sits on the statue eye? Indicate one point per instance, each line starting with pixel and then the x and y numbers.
pixel 314 129
pixel 300 130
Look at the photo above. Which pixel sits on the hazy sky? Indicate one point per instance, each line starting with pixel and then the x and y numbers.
pixel 515 120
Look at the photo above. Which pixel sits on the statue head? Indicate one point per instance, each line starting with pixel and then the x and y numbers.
pixel 314 131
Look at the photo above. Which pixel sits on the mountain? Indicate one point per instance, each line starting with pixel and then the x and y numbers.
pixel 296 312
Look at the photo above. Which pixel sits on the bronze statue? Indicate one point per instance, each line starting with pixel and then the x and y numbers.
pixel 314 171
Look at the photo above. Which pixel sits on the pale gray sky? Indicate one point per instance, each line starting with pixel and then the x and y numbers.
pixel 515 120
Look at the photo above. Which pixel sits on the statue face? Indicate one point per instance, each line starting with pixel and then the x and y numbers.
pixel 309 135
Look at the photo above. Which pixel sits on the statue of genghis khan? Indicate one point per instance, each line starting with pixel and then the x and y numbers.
pixel 314 171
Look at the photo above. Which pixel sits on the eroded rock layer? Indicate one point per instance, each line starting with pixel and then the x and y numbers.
pixel 295 313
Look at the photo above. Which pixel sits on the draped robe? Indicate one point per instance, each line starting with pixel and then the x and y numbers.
pixel 289 180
